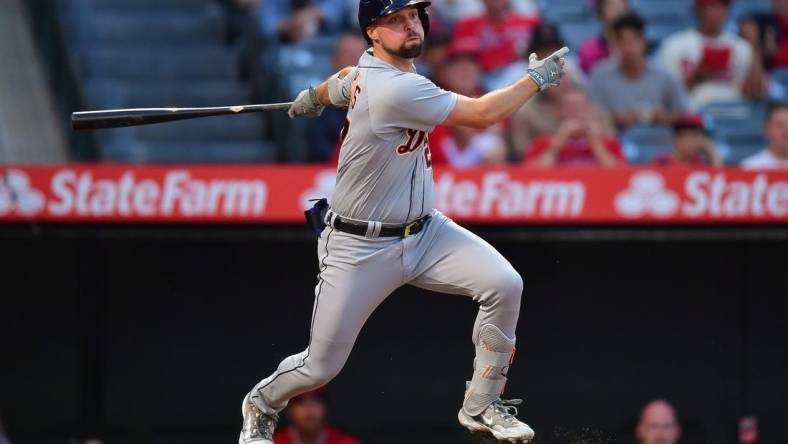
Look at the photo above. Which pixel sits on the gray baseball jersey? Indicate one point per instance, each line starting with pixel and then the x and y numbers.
pixel 385 171
pixel 385 176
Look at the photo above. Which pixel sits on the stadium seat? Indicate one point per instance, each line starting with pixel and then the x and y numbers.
pixel 307 63
pixel 165 63
pixel 743 8
pixel 134 94
pixel 641 143
pixel 736 145
pixel 164 53
pixel 559 11
pixel 575 33
pixel 734 115
pixel 204 151
pixel 778 90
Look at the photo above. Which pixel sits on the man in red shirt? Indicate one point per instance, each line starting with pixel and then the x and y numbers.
pixel 579 139
pixel 307 415
pixel 500 36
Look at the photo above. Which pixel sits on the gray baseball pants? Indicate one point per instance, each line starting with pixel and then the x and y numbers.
pixel 358 273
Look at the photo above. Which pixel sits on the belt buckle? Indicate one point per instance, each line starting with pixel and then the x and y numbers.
pixel 409 228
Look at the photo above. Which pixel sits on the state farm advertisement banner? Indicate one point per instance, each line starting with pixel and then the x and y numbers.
pixel 279 194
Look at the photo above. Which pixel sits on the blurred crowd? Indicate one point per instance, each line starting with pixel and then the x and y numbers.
pixel 618 81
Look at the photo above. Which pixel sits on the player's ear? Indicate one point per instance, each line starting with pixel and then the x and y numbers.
pixel 372 32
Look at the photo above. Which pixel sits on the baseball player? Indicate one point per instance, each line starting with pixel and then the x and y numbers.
pixel 382 230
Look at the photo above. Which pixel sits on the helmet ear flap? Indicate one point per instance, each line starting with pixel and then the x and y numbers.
pixel 425 20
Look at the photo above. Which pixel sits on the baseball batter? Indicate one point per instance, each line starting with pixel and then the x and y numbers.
pixel 382 230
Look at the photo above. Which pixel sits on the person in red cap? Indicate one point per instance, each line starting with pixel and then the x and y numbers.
pixel 307 415
pixel 715 65
pixel 691 145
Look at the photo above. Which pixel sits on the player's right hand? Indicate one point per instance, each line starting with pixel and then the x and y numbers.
pixel 306 104
pixel 548 72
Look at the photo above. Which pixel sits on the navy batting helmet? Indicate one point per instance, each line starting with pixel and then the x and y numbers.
pixel 371 10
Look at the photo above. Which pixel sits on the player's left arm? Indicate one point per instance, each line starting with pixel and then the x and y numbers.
pixel 500 104
pixel 335 91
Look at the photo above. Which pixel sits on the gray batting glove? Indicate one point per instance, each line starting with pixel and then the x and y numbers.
pixel 306 104
pixel 548 72
pixel 339 88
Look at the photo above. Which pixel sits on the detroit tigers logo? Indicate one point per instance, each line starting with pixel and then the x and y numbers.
pixel 416 139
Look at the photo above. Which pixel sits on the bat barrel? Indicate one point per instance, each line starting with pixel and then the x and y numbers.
pixel 92 120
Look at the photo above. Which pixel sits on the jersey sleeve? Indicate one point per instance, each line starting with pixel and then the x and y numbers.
pixel 408 101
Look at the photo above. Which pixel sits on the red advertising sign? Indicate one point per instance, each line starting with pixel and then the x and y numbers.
pixel 279 194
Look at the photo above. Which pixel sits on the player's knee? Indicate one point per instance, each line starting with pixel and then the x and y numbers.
pixel 324 371
pixel 510 287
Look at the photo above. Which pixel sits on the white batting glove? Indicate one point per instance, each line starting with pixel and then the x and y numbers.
pixel 306 104
pixel 339 88
pixel 548 72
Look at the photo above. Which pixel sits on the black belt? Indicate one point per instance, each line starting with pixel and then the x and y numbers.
pixel 361 229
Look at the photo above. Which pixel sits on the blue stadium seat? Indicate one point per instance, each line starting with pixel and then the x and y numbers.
pixel 173 64
pixel 160 53
pixel 307 63
pixel 203 151
pixel 642 143
pixel 779 85
pixel 743 8
pixel 575 33
pixel 559 11
pixel 735 115
pixel 736 145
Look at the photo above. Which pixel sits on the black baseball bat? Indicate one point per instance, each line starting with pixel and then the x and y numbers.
pixel 115 118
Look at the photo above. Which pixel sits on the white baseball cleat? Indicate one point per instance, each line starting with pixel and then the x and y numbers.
pixel 499 420
pixel 258 426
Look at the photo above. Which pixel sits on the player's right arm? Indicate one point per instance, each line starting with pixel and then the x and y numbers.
pixel 500 104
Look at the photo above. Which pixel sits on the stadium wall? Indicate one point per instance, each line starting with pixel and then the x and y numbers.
pixel 153 334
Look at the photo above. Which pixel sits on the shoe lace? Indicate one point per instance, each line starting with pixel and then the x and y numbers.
pixel 507 408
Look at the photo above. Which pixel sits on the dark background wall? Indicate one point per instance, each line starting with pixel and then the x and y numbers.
pixel 155 337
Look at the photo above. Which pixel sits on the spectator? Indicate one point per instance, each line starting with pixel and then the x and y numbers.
pixel 307 416
pixel 545 40
pixel 631 87
pixel 435 52
pixel 691 145
pixel 539 116
pixel 465 147
pixel 579 139
pixel 596 49
pixel 297 20
pixel 748 430
pixel 455 10
pixel 323 133
pixel 499 35
pixel 658 424
pixel 775 156
pixel 714 64
pixel 768 35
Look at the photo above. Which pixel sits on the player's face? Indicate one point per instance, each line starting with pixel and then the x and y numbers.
pixel 400 34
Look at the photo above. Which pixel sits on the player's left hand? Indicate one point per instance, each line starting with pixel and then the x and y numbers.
pixel 306 104
pixel 548 72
